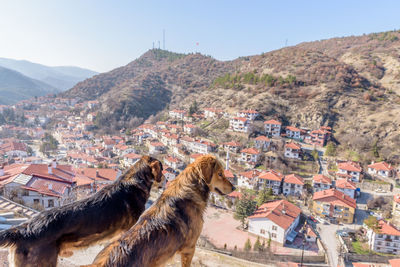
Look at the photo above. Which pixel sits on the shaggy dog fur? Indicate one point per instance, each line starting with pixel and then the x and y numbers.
pixel 112 210
pixel 174 223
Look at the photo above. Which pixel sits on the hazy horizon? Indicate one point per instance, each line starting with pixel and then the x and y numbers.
pixel 102 35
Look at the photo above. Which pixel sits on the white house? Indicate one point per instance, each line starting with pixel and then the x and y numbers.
pixel 202 146
pixel 239 124
pixel 293 132
pixel 272 128
pixel 213 113
pixel 232 146
pixel 347 187
pixel 130 159
pixel 271 179
pixel 262 143
pixel 189 128
pixel 173 162
pixel 292 151
pixel 386 239
pixel 14 149
pixel 321 182
pixel 293 185
pixel 351 170
pixel 250 114
pixel 156 148
pixel 248 179
pixel 177 114
pixel 250 156
pixel 381 169
pixel 275 220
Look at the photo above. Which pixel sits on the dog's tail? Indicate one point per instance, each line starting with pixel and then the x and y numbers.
pixel 10 237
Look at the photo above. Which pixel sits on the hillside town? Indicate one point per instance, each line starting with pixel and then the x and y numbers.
pixel 294 195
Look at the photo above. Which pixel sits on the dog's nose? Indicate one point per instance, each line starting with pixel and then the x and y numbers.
pixel 233 188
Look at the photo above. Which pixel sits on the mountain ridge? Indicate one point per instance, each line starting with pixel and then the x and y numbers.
pixel 331 82
pixel 15 86
pixel 61 77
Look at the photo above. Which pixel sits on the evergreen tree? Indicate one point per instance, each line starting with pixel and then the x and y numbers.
pixel 330 149
pixel 244 208
pixel 247 245
pixel 257 245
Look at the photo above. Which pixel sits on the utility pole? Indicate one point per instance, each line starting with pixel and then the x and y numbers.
pixel 163 39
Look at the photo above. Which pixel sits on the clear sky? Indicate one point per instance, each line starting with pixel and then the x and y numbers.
pixel 105 34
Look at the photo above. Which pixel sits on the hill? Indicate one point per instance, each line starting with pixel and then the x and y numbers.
pixel 62 78
pixel 15 86
pixel 351 84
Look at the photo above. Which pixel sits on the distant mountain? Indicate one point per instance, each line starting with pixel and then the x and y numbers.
pixel 15 86
pixel 62 78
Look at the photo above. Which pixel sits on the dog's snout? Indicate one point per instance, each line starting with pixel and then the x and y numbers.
pixel 233 188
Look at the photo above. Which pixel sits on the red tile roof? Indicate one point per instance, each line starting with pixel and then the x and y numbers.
pixel 272 122
pixel 102 173
pixel 196 155
pixel 171 159
pixel 240 119
pixel 381 166
pixel 156 144
pixel 293 129
pixel 235 194
pixel 294 179
pixel 60 173
pixel 12 146
pixel 322 179
pixel 232 143
pixel 293 146
pixel 262 138
pixel 271 175
pixel 386 228
pixel 281 212
pixel 350 166
pixel 250 151
pixel 345 184
pixel 394 262
pixel 396 198
pixel 252 111
pixel 47 187
pixel 228 174
pixel 334 197
pixel 250 174
pixel 132 156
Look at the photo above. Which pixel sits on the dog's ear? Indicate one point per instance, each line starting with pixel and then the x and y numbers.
pixel 207 168
pixel 156 170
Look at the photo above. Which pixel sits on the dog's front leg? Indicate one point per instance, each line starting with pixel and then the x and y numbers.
pixel 186 256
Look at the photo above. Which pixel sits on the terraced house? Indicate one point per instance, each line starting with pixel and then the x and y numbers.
pixel 334 205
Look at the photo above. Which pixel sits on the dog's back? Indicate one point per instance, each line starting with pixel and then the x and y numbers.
pixel 113 209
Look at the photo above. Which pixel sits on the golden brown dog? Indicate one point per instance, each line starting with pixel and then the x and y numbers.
pixel 174 223
pixel 112 210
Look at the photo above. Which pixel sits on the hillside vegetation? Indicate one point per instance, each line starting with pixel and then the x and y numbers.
pixel 351 84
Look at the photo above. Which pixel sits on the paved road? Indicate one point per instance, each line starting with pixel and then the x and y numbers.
pixel 328 237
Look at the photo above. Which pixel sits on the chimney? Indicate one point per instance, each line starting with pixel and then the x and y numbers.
pixel 49 170
pixel 227 160
pixel 54 164
pixel 97 173
pixel 1 171
pixel 50 186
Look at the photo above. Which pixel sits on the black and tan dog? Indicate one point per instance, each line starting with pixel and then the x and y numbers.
pixel 112 210
pixel 173 224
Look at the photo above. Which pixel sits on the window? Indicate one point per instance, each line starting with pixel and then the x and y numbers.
pixel 346 208
pixel 273 235
pixel 379 243
pixel 25 192
pixel 346 215
pixel 36 201
pixel 50 203
pixel 396 238
pixel 262 231
pixel 380 236
pixel 274 228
